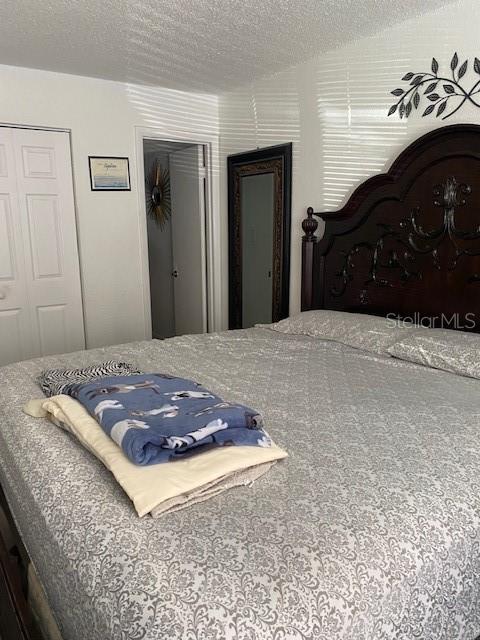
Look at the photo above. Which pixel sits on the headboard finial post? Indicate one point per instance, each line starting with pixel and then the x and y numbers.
pixel 309 243
pixel 309 226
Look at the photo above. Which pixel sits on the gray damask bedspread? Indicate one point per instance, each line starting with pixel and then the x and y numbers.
pixel 369 531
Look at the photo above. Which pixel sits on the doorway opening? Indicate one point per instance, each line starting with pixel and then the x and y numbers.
pixel 175 204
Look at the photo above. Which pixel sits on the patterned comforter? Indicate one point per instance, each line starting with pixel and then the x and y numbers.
pixel 369 531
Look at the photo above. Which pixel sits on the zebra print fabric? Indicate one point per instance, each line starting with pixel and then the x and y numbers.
pixel 54 381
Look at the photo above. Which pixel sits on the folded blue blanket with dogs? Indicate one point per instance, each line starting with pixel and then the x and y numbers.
pixel 158 418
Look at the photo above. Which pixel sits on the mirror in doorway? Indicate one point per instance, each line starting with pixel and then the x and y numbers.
pixel 259 193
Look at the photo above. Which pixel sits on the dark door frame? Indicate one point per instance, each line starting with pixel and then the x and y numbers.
pixel 277 160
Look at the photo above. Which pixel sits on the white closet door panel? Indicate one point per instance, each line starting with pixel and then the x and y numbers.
pixel 52 324
pixel 3 158
pixel 45 236
pixel 15 325
pixel 49 228
pixel 7 257
pixel 11 336
pixel 39 161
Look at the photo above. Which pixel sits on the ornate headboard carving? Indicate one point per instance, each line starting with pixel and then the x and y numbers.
pixel 407 241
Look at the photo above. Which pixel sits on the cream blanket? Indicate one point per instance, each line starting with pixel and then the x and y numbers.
pixel 161 488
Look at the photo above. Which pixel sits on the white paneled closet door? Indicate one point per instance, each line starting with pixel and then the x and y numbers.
pixel 40 296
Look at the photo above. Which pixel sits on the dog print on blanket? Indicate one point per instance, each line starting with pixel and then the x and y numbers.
pixel 156 418
pixel 124 388
pixel 195 395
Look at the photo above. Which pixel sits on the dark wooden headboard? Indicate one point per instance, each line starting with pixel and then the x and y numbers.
pixel 406 242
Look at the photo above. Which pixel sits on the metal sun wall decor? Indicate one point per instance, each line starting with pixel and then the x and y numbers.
pixel 159 204
pixel 439 90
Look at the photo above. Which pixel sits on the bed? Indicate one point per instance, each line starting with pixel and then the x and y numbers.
pixel 370 530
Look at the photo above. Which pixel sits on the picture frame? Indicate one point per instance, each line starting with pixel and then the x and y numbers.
pixel 109 173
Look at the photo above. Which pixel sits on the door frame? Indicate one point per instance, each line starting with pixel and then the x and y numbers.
pixel 212 257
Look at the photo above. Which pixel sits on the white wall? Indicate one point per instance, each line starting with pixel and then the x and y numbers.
pixel 334 109
pixel 102 117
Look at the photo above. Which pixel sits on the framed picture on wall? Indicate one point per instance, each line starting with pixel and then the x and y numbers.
pixel 109 173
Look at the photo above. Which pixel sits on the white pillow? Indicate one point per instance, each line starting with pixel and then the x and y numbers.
pixel 454 351
pixel 362 331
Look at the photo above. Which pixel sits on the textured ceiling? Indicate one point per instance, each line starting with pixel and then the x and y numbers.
pixel 201 45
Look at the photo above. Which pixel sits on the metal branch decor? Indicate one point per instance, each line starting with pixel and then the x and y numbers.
pixel 159 204
pixel 439 90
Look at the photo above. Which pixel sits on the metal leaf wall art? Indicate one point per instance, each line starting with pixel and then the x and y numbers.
pixel 445 95
pixel 157 189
